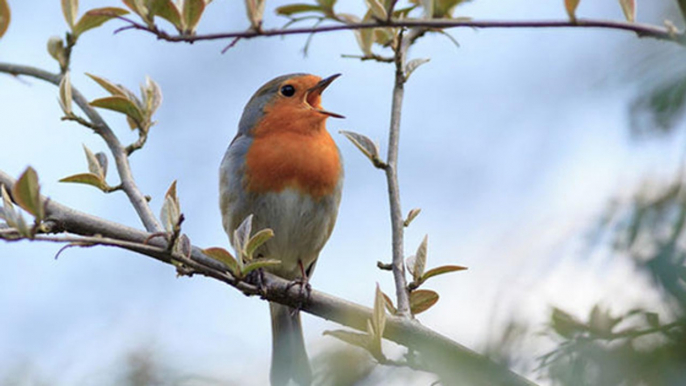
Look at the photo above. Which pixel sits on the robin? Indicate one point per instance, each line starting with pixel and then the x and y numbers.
pixel 284 168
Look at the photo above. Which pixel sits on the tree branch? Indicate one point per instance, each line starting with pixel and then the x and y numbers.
pixel 640 29
pixel 100 127
pixel 444 356
pixel 391 170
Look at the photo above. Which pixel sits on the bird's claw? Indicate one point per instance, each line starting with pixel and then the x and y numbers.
pixel 257 279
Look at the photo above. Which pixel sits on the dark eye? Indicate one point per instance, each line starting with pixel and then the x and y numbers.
pixel 288 90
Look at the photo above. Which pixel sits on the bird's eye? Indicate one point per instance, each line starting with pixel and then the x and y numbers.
pixel 288 90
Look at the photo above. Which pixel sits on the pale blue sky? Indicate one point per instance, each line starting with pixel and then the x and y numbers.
pixel 511 144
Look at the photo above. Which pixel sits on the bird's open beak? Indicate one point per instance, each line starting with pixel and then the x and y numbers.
pixel 315 92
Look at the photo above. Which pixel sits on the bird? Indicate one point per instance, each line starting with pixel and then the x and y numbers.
pixel 284 168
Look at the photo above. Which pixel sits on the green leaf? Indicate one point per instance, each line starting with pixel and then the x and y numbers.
pixel 97 17
pixel 326 4
pixel 224 256
pixel 26 193
pixel 570 7
pixel 441 270
pixel 65 94
pixel 192 11
pixel 169 11
pixel 389 304
pixel 257 240
pixel 354 338
pixel 422 300
pixel 88 179
pixel 629 9
pixel 260 263
pixel 70 8
pixel 5 17
pixel 138 8
pixel 170 214
pixel 445 8
pixel 120 104
pixel 113 89
pixel 292 9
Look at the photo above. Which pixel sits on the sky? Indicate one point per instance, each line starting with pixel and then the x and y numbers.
pixel 512 144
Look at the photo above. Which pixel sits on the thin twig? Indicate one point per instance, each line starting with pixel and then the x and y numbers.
pixel 391 170
pixel 640 29
pixel 128 184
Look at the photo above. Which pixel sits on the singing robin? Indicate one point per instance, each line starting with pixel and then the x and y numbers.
pixel 284 168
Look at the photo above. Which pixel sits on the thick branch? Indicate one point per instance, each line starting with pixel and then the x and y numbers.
pixel 642 30
pixel 101 128
pixel 444 356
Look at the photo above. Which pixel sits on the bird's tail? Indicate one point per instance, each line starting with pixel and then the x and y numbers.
pixel 289 358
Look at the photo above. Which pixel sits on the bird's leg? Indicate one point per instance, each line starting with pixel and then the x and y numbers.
pixel 305 287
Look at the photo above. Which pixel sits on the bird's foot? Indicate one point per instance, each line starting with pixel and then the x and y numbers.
pixel 257 279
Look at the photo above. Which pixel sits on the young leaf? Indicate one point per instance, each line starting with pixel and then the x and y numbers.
pixel 65 94
pixel 5 17
pixel 255 10
pixel 389 304
pixel 96 17
pixel 70 8
pixel 354 338
pixel 171 210
pixel 221 254
pixel 428 6
pixel 9 213
pixel 241 236
pixel 292 9
pixel 120 104
pixel 169 11
pixel 629 9
pixel 56 49
pixel 113 89
pixel 379 314
pixel 413 65
pixel 138 8
pixel 365 145
pixel 570 6
pixel 377 9
pixel 411 216
pixel 93 164
pixel 422 300
pixel 26 193
pixel 102 161
pixel 192 11
pixel 420 260
pixel 152 96
pixel 257 240
pixel 13 218
pixel 261 263
pixel 88 179
pixel 441 270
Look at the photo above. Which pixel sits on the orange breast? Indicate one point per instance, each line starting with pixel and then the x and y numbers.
pixel 305 160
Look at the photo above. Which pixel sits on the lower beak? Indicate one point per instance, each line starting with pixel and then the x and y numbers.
pixel 319 88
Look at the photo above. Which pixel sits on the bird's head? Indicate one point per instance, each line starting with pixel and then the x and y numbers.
pixel 289 102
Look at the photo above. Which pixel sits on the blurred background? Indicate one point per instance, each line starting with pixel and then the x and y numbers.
pixel 547 161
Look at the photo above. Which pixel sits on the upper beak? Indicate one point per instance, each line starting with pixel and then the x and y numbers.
pixel 318 89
